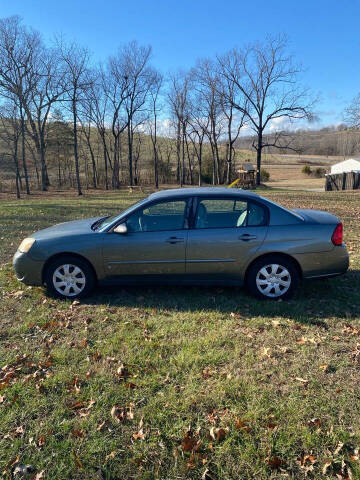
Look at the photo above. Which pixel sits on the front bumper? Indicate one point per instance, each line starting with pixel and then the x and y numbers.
pixel 27 270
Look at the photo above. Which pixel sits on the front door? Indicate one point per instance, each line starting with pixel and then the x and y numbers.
pixel 226 233
pixel 154 244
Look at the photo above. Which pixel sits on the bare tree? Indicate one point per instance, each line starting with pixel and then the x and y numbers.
pixel 140 77
pixel 115 82
pixel 208 85
pixel 47 87
pixel 267 78
pixel 198 122
pixel 352 112
pixel 10 133
pixel 178 98
pixel 154 102
pixel 96 107
pixel 77 82
pixel 234 122
pixel 19 47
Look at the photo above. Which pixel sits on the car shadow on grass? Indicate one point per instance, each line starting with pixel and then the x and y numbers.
pixel 314 303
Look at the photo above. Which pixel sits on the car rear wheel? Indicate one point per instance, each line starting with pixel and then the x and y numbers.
pixel 69 277
pixel 273 278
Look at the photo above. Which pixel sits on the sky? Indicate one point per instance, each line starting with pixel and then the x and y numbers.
pixel 324 35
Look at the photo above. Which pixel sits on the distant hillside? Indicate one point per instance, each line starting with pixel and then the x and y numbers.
pixel 327 142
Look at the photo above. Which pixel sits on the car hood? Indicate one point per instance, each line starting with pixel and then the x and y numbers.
pixel 316 216
pixel 75 227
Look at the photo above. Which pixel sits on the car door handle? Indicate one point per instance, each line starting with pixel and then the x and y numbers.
pixel 246 237
pixel 173 240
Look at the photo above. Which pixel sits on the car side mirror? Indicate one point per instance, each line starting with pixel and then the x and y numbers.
pixel 122 228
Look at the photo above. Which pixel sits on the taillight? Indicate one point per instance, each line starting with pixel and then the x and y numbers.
pixel 337 236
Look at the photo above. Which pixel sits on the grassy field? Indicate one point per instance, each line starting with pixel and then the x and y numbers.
pixel 178 383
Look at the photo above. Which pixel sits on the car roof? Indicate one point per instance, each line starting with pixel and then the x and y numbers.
pixel 207 191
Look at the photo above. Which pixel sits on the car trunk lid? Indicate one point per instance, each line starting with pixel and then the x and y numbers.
pixel 317 216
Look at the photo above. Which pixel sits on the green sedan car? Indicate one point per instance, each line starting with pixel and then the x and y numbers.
pixel 201 236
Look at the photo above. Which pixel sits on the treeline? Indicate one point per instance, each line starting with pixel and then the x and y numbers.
pixel 64 117
pixel 341 140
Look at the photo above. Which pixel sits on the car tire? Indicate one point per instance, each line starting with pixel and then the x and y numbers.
pixel 273 278
pixel 69 277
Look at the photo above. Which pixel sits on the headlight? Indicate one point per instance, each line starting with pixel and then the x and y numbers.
pixel 26 245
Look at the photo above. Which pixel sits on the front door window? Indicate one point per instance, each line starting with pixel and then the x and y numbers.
pixel 158 217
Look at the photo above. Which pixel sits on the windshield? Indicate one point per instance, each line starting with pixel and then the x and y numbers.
pixel 104 223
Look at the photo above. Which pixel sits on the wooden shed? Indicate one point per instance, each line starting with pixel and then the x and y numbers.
pixel 344 175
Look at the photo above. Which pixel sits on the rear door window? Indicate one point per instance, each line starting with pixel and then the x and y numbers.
pixel 229 213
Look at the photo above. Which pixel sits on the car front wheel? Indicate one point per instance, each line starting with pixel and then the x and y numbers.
pixel 69 277
pixel 273 278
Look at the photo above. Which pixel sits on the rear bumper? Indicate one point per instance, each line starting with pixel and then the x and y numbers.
pixel 324 264
pixel 27 270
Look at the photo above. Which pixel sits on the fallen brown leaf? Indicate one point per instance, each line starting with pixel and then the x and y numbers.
pixel 78 462
pixel 78 433
pixel 218 434
pixel 41 441
pixel 241 425
pixel 327 464
pixel 190 443
pixel 111 455
pixel 275 462
pixel 140 434
pixel 118 413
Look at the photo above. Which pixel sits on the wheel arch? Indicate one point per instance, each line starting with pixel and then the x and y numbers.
pixel 66 254
pixel 278 254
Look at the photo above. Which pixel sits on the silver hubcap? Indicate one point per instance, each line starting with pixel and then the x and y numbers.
pixel 69 280
pixel 273 280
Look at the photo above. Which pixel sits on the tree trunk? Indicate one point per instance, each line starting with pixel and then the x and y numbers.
pixel 191 178
pixel 44 177
pixel 217 163
pixel 59 172
pixel 258 157
pixel 34 157
pixel 23 150
pixel 16 163
pixel 76 154
pixel 115 177
pixel 213 162
pixel 105 154
pixel 156 170
pixel 106 167
pixel 93 168
pixel 183 155
pixel 200 162
pixel 93 163
pixel 228 162
pixel 130 152
pixel 154 140
pixel 178 148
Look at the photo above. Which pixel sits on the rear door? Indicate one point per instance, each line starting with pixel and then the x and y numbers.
pixel 226 233
pixel 154 244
